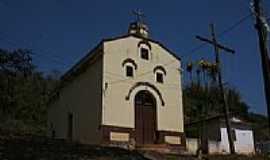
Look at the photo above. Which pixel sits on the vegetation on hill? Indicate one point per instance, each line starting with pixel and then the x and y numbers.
pixel 198 99
pixel 24 93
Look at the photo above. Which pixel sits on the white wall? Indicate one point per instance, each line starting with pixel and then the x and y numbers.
pixel 244 143
pixel 224 143
pixel 81 97
pixel 120 112
pixel 192 145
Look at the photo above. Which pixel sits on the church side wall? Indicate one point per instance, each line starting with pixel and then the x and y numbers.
pixel 117 110
pixel 83 98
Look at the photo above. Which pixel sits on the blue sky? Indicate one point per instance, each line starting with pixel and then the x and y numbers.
pixel 60 32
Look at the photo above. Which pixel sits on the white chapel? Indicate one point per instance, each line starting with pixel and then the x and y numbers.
pixel 125 91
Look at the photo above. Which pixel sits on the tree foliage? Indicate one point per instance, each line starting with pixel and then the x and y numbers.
pixel 198 99
pixel 24 92
pixel 260 126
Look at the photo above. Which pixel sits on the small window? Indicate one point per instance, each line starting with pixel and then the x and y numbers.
pixel 129 71
pixel 159 77
pixel 144 54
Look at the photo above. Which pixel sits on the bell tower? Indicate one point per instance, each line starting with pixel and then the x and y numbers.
pixel 138 27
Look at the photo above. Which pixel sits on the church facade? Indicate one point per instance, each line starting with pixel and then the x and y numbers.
pixel 126 91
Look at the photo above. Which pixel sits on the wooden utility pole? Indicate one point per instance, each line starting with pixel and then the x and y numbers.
pixel 217 48
pixel 262 34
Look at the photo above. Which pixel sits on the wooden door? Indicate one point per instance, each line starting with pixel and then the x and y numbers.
pixel 145 118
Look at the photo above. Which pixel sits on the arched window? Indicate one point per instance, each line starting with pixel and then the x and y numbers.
pixel 144 53
pixel 159 72
pixel 131 61
pixel 130 66
pixel 159 77
pixel 129 71
pixel 145 42
pixel 144 50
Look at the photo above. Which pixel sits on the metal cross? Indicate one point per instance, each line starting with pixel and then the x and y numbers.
pixel 139 15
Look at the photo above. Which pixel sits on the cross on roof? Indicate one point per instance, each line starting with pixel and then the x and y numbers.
pixel 139 15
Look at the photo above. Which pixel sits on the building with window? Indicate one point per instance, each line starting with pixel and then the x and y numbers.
pixel 211 136
pixel 126 91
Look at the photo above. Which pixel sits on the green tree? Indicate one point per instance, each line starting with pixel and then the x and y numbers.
pixel 197 98
pixel 24 92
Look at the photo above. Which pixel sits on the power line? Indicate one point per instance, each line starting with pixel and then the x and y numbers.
pixel 230 28
pixel 58 60
pixel 142 74
pixel 233 26
pixel 240 21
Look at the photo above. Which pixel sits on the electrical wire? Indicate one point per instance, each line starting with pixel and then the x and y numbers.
pixel 58 60
pixel 230 28
pixel 219 35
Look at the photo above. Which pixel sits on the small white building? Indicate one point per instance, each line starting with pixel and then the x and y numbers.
pixel 215 138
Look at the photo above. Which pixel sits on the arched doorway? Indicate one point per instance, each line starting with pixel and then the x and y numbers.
pixel 145 118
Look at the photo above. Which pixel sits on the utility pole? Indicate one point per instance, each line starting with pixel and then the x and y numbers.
pixel 261 27
pixel 217 48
